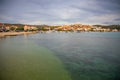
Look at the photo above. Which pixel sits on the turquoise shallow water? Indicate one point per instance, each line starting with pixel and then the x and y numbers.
pixel 76 56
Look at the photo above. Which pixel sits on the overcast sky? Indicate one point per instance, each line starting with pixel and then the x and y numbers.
pixel 55 12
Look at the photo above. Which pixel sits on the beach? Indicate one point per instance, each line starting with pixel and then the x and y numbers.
pixel 4 34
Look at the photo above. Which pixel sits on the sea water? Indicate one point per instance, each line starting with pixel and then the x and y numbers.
pixel 62 56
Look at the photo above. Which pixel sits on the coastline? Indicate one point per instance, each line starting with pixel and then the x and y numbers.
pixel 4 34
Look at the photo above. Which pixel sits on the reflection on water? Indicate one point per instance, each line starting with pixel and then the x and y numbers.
pixel 87 56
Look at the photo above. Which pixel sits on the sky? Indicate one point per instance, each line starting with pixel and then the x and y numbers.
pixel 60 12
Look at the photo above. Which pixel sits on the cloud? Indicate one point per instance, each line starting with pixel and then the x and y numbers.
pixel 103 19
pixel 61 11
pixel 117 19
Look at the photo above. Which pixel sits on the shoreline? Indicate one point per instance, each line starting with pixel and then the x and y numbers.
pixel 4 34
